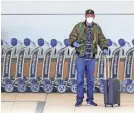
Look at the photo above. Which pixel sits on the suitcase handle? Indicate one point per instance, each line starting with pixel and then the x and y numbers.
pixel 106 64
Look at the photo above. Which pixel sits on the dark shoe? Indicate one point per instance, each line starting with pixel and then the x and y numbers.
pixel 78 103
pixel 92 103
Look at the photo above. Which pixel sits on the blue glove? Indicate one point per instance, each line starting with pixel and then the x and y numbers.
pixel 105 52
pixel 76 44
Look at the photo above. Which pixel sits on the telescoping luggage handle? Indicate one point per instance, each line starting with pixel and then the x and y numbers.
pixel 106 64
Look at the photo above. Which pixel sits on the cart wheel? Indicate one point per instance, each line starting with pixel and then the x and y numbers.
pixel 112 105
pixel 35 88
pixel 74 88
pixel 22 87
pixel 130 88
pixel 119 104
pixel 48 88
pixel 9 88
pixel 61 88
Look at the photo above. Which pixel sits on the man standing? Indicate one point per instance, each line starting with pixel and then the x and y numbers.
pixel 85 37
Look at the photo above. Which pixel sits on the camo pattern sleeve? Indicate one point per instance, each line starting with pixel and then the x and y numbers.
pixel 73 35
pixel 102 42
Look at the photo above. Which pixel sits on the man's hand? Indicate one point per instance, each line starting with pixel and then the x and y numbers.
pixel 105 52
pixel 76 44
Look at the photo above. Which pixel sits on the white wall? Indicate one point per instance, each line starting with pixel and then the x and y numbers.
pixel 31 19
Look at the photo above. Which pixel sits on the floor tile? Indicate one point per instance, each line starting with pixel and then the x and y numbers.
pixel 61 98
pixel 58 108
pixel 57 103
pixel 8 96
pixel 2 97
pixel 6 107
pixel 24 107
pixel 90 109
pixel 31 97
pixel 127 97
pixel 126 107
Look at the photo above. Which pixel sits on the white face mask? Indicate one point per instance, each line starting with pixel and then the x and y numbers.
pixel 90 20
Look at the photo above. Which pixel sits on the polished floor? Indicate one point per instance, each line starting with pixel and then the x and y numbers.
pixel 59 103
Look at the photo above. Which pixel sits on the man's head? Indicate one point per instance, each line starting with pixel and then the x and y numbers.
pixel 89 16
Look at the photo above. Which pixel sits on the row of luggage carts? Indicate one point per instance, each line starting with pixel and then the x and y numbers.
pixel 20 52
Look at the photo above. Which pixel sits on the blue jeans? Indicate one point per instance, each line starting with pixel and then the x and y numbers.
pixel 83 65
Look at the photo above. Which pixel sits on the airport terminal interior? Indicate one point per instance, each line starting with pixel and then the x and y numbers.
pixel 41 56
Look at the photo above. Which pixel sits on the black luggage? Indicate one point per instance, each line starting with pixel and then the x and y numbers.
pixel 111 89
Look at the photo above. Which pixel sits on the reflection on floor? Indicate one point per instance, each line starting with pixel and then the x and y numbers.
pixel 59 103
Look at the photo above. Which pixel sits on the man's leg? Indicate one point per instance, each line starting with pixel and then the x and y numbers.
pixel 80 67
pixel 90 66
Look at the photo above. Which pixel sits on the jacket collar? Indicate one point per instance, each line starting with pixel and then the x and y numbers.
pixel 85 25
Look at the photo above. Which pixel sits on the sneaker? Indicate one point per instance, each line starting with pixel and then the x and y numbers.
pixel 78 103
pixel 92 103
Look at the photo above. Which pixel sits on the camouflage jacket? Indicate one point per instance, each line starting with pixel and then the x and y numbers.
pixel 79 34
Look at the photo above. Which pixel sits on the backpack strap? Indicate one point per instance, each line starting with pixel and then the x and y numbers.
pixel 96 29
pixel 80 29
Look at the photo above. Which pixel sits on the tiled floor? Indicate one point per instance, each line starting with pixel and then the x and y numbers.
pixel 59 103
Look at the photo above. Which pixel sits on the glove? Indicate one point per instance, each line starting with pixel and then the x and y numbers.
pixel 76 44
pixel 105 52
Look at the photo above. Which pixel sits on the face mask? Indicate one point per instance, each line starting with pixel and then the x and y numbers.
pixel 90 20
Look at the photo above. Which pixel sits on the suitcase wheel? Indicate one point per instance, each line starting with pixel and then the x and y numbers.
pixel 118 104
pixel 105 105
pixel 112 105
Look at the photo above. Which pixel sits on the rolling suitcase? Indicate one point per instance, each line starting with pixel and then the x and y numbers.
pixel 111 88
